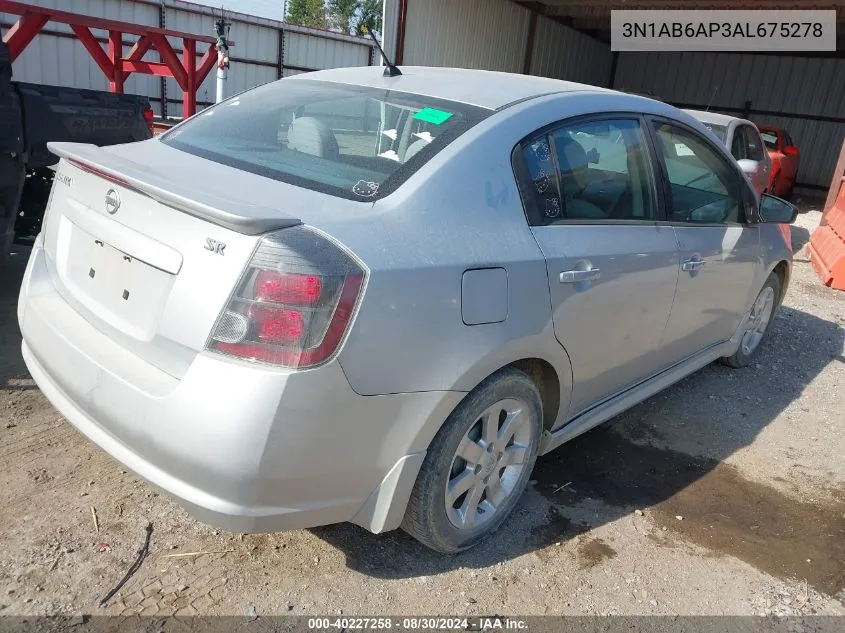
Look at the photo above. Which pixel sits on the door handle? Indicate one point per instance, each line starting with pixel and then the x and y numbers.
pixel 692 264
pixel 577 276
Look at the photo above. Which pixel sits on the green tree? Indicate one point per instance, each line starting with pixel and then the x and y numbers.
pixel 370 14
pixel 307 13
pixel 354 16
pixel 341 13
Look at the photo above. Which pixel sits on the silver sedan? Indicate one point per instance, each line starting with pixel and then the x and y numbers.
pixel 350 297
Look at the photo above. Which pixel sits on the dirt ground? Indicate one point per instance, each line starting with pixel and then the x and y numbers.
pixel 725 494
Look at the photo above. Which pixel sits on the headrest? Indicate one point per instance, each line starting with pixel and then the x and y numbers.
pixel 312 136
pixel 571 154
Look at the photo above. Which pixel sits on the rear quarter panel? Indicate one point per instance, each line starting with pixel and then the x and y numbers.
pixel 460 211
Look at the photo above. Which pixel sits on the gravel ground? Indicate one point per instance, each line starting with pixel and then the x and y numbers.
pixel 725 494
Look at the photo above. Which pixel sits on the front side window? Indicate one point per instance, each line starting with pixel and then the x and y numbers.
pixel 589 170
pixel 349 141
pixel 703 187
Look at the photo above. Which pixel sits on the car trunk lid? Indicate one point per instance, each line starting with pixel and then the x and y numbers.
pixel 147 259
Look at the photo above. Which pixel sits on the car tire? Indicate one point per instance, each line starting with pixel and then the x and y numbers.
pixel 508 401
pixel 757 325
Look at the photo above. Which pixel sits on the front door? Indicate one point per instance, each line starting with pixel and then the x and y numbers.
pixel 590 193
pixel 719 252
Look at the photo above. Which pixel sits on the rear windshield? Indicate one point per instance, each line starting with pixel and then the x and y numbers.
pixel 349 141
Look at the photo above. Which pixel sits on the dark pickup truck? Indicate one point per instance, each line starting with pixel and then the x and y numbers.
pixel 33 114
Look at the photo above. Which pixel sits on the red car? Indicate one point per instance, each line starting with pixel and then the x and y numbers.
pixel 784 154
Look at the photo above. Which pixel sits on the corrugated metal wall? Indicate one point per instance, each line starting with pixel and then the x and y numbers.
pixel 564 53
pixel 790 92
pixel 493 35
pixel 487 34
pixel 804 95
pixel 55 57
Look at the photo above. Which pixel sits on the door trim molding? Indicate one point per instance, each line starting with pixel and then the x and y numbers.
pixel 630 396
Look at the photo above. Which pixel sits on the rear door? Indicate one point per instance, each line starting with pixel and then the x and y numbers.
pixel 590 196
pixel 706 199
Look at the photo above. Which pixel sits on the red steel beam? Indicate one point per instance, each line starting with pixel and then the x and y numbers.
pixel 115 56
pixel 208 61
pixel 24 30
pixel 137 52
pixel 169 57
pixel 148 68
pixel 189 90
pixel 186 71
pixel 93 47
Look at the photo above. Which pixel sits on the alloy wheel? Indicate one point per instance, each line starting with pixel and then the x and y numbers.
pixel 488 463
pixel 758 320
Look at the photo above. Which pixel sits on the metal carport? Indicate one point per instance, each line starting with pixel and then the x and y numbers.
pixel 570 39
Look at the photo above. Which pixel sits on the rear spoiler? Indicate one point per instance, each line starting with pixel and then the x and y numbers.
pixel 235 214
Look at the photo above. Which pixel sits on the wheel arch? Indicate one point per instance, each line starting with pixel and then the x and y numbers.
pixel 386 506
pixel 783 270
pixel 543 359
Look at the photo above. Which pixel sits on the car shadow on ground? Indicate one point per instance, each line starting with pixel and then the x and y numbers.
pixel 665 457
pixel 800 236
pixel 13 371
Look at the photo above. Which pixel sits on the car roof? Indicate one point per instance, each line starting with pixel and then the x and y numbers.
pixel 482 88
pixel 716 118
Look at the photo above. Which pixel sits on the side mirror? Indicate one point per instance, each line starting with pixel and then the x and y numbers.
pixel 748 167
pixel 593 156
pixel 775 210
pixel 790 150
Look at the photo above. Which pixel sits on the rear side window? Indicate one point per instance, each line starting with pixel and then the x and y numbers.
pixel 350 141
pixel 587 171
pixel 770 138
pixel 753 143
pixel 738 148
pixel 704 188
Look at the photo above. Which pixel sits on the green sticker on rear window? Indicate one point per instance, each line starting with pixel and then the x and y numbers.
pixel 432 115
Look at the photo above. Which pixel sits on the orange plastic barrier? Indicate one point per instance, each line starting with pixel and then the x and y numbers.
pixel 827 244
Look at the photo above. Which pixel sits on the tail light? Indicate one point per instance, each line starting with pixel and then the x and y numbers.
pixel 149 119
pixel 293 304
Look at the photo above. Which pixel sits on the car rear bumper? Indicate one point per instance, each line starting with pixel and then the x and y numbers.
pixel 244 447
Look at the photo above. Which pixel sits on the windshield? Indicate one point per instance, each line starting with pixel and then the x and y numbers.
pixel 770 139
pixel 349 141
pixel 721 131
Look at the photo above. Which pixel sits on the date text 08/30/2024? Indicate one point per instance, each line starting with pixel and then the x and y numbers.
pixel 417 623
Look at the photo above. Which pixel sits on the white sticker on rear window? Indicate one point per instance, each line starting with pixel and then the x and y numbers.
pixel 365 189
pixel 542 151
